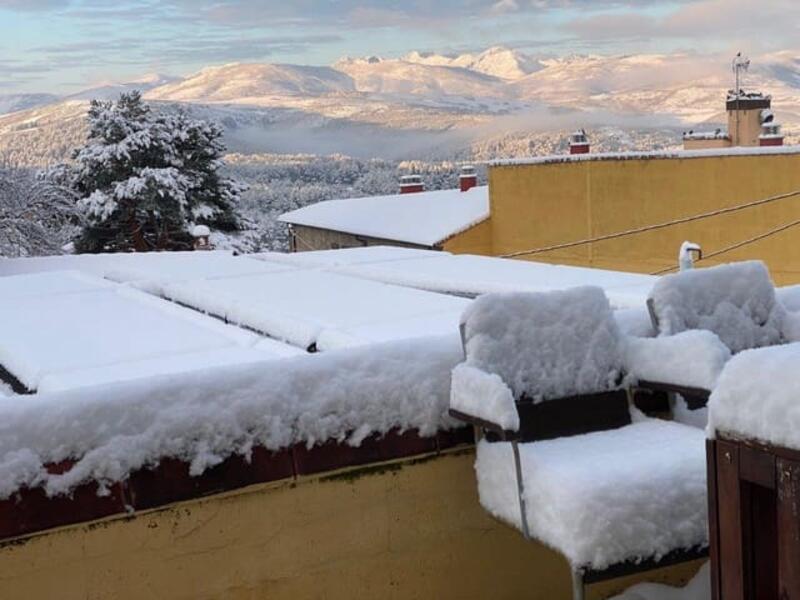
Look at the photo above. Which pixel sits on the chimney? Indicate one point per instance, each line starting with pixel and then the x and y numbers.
pixel 579 143
pixel 411 184
pixel 770 134
pixel 201 235
pixel 468 178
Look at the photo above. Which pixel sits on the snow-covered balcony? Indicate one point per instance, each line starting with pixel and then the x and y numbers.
pixel 139 381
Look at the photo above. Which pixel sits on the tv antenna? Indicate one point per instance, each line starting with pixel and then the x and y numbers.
pixel 740 65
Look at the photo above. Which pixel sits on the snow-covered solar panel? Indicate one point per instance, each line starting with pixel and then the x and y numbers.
pixel 85 335
pixel 300 305
pixel 40 284
pixel 471 275
pixel 151 271
pixel 141 266
pixel 347 256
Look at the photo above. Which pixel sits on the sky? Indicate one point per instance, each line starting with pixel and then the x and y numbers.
pixel 63 46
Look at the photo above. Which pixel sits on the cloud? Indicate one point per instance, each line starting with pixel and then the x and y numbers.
pixel 32 5
pixel 764 24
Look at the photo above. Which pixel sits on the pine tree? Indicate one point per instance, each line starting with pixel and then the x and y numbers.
pixel 145 179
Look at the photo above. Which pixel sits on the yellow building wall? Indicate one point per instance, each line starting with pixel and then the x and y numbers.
pixel 475 240
pixel 543 204
pixel 411 529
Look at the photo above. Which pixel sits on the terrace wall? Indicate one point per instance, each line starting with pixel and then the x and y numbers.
pixel 551 202
pixel 408 528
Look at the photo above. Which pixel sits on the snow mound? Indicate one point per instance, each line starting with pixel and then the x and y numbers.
pixel 756 396
pixel 598 502
pixel 483 395
pixel 691 358
pixel 203 417
pixel 546 345
pixel 735 301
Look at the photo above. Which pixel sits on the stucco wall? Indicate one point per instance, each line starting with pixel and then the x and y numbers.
pixel 408 529
pixel 475 240
pixel 542 204
pixel 311 238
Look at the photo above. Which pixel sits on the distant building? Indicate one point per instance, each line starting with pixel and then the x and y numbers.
pixel 454 220
pixel 750 120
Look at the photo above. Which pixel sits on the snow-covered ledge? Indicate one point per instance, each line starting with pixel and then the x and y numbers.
pixel 757 397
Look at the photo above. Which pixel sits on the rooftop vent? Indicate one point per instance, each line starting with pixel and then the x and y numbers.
pixel 770 134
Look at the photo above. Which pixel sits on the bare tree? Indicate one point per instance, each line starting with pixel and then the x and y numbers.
pixel 38 215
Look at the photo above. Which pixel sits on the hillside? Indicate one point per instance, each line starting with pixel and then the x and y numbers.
pixel 422 104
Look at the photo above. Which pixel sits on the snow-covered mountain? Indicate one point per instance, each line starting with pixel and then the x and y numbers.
pixel 500 62
pixel 13 102
pixel 424 101
pixel 110 91
pixel 238 82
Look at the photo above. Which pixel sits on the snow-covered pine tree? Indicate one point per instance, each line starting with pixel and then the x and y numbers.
pixel 144 179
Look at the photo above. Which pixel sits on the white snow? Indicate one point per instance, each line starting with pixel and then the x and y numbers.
pixel 138 265
pixel 300 306
pixel 634 322
pixel 756 396
pixel 347 256
pixel 789 296
pixel 201 231
pixel 736 301
pixel 48 284
pixel 604 497
pixel 699 588
pixel 546 345
pixel 472 275
pixel 95 331
pixel 691 358
pixel 424 218
pixel 207 415
pixel 483 395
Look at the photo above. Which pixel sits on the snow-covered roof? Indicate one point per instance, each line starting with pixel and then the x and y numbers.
pixel 139 378
pixel 658 155
pixel 424 218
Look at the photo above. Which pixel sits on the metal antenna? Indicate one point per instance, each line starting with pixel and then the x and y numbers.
pixel 740 65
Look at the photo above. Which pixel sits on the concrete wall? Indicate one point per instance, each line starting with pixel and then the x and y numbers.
pixel 411 529
pixel 542 204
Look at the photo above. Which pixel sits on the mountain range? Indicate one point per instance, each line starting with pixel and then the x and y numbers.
pixel 426 100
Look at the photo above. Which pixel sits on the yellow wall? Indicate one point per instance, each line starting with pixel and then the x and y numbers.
pixel 541 204
pixel 409 530
pixel 475 240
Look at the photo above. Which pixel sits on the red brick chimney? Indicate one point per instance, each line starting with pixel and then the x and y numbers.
pixel 579 143
pixel 411 184
pixel 468 178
